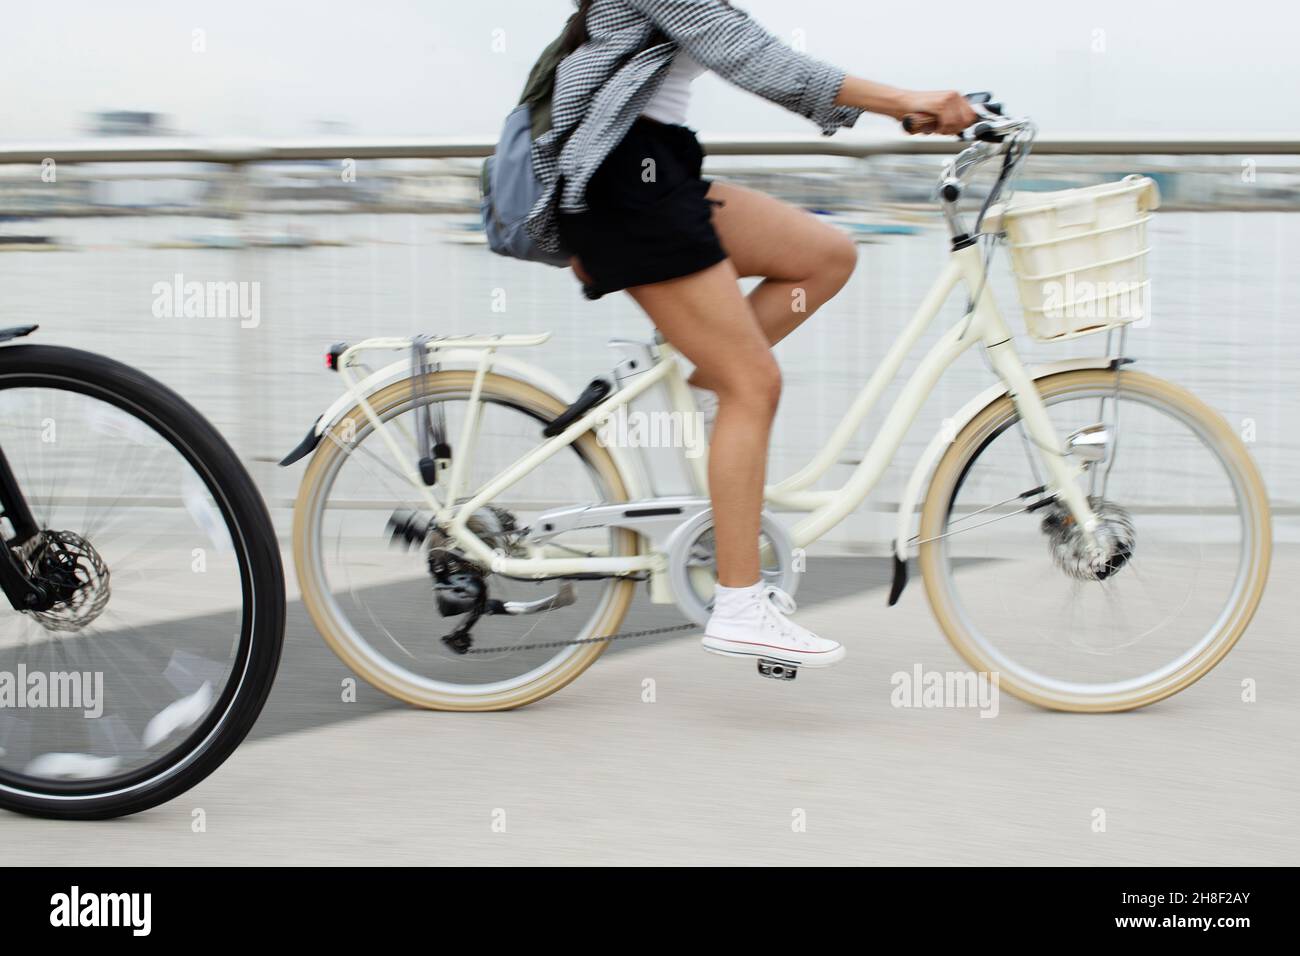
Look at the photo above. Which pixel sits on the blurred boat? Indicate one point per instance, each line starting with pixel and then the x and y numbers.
pixel 16 243
pixel 247 241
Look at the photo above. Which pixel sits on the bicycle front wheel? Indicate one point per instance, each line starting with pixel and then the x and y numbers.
pixel 154 659
pixel 1184 516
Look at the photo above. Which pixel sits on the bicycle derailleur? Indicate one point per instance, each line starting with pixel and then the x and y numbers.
pixel 460 585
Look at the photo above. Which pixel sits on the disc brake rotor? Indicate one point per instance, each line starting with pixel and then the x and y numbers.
pixel 72 572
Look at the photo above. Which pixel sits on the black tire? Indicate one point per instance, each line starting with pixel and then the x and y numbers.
pixel 261 572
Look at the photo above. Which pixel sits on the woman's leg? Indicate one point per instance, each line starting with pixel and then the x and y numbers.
pixel 705 317
pixel 803 260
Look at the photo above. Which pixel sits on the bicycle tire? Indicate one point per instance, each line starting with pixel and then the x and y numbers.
pixel 258 654
pixel 970 443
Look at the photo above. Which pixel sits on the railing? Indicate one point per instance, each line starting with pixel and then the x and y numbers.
pixel 245 177
pixel 236 152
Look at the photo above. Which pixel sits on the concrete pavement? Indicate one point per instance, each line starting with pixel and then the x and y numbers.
pixel 724 767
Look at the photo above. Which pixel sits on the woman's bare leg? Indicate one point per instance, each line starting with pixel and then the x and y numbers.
pixel 705 317
pixel 803 260
pixel 728 338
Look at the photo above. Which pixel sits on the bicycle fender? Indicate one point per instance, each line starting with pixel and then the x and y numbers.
pixel 17 332
pixel 526 371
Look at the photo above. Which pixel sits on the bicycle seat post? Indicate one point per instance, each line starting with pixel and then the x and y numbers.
pixel 649 418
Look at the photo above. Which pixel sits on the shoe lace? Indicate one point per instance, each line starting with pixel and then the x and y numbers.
pixel 779 600
pixel 776 604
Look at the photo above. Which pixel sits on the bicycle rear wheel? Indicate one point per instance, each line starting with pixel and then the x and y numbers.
pixel 155 662
pixel 372 593
pixel 1184 514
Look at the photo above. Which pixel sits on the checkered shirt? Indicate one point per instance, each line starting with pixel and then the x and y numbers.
pixel 602 87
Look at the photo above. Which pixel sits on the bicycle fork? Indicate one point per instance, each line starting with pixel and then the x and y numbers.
pixel 22 592
pixel 1061 477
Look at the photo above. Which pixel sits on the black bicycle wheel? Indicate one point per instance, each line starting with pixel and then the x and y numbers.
pixel 157 660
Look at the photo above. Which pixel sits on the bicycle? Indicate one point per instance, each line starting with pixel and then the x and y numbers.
pixel 1049 554
pixel 146 584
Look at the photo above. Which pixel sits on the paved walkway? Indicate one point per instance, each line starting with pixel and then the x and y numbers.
pixel 724 767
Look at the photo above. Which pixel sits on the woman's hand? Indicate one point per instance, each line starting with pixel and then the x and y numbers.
pixel 950 109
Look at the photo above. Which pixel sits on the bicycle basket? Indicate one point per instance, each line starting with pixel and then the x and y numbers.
pixel 1080 255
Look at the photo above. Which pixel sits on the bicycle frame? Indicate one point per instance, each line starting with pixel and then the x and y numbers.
pixel 982 325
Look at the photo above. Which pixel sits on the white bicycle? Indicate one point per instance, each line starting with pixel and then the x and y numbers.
pixel 465 541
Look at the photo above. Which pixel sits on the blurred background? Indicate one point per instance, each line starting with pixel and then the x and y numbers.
pixel 138 145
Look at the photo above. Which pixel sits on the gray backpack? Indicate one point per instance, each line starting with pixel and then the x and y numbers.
pixel 508 184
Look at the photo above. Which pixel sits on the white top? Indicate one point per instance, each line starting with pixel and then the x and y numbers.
pixel 669 103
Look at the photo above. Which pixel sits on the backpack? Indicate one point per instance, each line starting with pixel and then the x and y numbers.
pixel 508 185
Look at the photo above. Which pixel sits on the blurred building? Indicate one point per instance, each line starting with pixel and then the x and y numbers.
pixel 128 123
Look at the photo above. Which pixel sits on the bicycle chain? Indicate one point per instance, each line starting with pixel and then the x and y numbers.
pixel 546 645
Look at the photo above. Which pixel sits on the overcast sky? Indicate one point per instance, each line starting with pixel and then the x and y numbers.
pixel 439 67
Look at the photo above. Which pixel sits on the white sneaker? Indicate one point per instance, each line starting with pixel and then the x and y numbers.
pixel 706 403
pixel 752 623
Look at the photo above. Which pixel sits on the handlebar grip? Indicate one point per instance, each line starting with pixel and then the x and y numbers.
pixel 920 123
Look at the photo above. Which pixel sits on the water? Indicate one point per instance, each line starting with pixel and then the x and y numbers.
pixel 1218 328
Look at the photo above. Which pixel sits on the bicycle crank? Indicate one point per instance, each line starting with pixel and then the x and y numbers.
pixel 460 586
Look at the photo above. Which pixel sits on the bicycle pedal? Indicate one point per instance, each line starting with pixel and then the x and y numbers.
pixel 777 670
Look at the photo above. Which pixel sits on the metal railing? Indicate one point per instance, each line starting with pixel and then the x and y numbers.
pixel 235 152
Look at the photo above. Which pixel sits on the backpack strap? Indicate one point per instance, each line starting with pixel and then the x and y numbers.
pixel 540 88
pixel 539 91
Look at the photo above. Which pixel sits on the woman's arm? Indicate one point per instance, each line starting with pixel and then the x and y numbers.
pixel 728 42
pixel 950 108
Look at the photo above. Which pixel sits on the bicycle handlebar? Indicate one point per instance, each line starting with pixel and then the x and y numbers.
pixel 994 135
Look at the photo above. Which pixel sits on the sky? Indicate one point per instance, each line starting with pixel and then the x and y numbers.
pixel 279 69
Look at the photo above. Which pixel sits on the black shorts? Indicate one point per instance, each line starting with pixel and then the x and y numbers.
pixel 647 219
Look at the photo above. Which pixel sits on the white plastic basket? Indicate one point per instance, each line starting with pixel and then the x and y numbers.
pixel 1080 255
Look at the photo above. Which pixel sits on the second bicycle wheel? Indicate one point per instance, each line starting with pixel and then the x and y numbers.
pixel 367 553
pixel 1184 516
pixel 161 641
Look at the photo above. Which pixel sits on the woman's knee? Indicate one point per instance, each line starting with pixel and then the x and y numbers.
pixel 839 258
pixel 755 383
